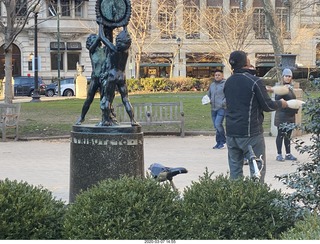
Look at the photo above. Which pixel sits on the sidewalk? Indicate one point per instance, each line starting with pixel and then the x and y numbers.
pixel 46 163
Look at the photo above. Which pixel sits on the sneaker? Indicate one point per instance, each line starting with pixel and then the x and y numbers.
pixel 221 146
pixel 245 161
pixel 290 157
pixel 280 158
pixel 216 146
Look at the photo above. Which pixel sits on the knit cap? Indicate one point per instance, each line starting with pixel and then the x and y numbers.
pixel 238 59
pixel 287 72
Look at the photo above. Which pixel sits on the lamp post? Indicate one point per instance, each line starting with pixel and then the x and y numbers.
pixel 179 47
pixel 59 53
pixel 36 95
pixel 56 12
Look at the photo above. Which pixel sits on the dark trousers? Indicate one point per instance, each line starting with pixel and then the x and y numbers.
pixel 238 150
pixel 283 136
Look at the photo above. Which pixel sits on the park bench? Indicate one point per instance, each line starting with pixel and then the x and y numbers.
pixel 9 119
pixel 148 114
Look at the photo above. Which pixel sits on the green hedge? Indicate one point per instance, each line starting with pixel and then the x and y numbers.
pixel 29 213
pixel 217 208
pixel 307 229
pixel 142 208
pixel 165 84
pixel 227 209
pixel 125 209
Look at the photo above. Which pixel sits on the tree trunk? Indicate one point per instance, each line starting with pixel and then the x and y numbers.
pixel 275 34
pixel 138 62
pixel 8 96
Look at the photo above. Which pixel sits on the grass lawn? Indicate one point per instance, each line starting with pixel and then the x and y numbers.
pixel 55 118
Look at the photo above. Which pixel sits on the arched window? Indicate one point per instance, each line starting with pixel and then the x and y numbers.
pixel 16 61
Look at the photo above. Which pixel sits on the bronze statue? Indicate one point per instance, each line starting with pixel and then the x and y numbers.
pixel 109 61
pixel 114 76
pixel 98 57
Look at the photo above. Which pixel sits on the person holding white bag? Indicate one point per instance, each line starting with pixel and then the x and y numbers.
pixel 218 107
pixel 285 115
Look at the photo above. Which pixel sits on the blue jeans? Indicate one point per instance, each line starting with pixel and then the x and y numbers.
pixel 238 150
pixel 217 120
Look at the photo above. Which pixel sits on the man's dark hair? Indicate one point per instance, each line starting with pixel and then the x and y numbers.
pixel 238 59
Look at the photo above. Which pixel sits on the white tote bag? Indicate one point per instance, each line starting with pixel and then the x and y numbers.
pixel 205 100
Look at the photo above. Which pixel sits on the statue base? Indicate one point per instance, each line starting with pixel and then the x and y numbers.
pixel 101 152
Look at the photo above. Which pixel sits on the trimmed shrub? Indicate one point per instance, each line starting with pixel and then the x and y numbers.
pixel 126 209
pixel 133 85
pixel 307 229
pixel 153 84
pixel 29 213
pixel 227 209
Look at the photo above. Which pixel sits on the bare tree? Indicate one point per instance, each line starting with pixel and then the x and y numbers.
pixel 140 27
pixel 147 26
pixel 227 30
pixel 17 15
pixel 278 29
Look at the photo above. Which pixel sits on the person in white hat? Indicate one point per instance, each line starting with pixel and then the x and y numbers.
pixel 285 115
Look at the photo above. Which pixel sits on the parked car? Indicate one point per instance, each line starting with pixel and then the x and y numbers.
pixel 24 86
pixel 67 88
pixel 51 89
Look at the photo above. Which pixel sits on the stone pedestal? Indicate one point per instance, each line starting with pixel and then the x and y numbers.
pixel 81 86
pixel 101 152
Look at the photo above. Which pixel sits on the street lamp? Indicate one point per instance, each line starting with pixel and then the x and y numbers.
pixel 36 95
pixel 56 12
pixel 179 48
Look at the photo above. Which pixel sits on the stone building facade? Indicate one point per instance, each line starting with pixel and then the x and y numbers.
pixel 179 41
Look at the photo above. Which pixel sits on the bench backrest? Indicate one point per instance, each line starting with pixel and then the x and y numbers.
pixel 9 114
pixel 151 112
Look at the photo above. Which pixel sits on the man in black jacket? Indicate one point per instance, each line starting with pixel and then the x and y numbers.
pixel 247 98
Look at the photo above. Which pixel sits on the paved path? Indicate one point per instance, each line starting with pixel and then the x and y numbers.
pixel 46 163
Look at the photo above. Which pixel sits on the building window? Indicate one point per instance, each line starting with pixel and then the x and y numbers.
pixel 238 23
pixel 259 24
pixel 317 8
pixel 54 60
pixel 68 8
pixel 21 7
pixel 191 19
pixel 167 18
pixel 72 59
pixel 213 20
pixel 65 7
pixel 284 20
pixel 78 9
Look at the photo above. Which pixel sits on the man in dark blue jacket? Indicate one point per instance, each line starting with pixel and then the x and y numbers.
pixel 247 98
